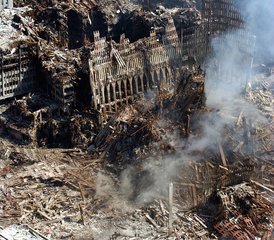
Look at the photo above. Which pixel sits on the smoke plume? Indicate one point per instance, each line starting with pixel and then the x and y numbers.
pixel 259 17
pixel 228 72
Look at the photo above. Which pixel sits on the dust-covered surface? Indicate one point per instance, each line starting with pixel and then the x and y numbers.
pixel 71 194
pixel 182 149
pixel 19 232
pixel 8 33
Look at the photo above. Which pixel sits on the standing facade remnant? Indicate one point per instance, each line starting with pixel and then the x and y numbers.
pixel 121 72
pixel 222 15
pixel 219 16
pixel 17 72
pixel 221 33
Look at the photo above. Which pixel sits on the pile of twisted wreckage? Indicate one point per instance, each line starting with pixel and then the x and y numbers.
pixel 134 120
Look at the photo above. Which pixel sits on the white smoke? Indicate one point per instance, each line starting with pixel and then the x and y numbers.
pixel 107 190
pixel 259 17
pixel 227 76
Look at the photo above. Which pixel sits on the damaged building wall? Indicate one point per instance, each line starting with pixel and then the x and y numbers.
pixel 17 72
pixel 170 137
pixel 242 54
pixel 222 15
pixel 218 17
pixel 62 91
pixel 222 29
pixel 58 80
pixel 76 33
pixel 121 72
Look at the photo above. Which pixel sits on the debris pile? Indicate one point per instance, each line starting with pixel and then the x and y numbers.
pixel 106 126
pixel 37 120
pixel 245 214
pixel 9 35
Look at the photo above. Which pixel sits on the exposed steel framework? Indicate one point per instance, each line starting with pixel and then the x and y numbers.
pixel 17 72
pixel 219 16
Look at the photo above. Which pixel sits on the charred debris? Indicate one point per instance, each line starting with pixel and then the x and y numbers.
pixel 133 120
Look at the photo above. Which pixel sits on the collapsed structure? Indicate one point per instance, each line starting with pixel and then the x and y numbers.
pixel 121 72
pixel 120 90
pixel 18 72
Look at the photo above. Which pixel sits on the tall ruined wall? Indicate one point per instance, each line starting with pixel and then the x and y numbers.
pixel 17 72
pixel 121 72
pixel 221 35
pixel 219 16
pixel 222 15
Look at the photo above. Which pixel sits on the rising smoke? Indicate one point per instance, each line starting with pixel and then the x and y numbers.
pixel 259 15
pixel 229 70
pixel 227 74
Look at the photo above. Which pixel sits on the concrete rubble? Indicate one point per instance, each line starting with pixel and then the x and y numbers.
pixel 107 130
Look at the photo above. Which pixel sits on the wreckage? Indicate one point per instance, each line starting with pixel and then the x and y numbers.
pixel 120 73
pixel 149 120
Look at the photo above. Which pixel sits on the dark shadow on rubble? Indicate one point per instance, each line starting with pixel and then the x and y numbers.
pixel 54 133
pixel 76 27
pixel 140 181
pixel 83 92
pixel 15 122
pixel 211 210
pixel 20 160
pixel 53 182
pixel 133 25
pixel 121 151
pixel 98 23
